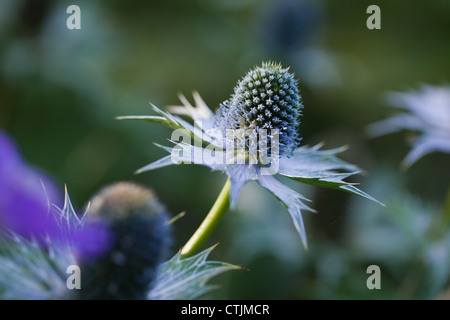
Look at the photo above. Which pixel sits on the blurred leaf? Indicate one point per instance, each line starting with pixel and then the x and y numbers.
pixel 156 119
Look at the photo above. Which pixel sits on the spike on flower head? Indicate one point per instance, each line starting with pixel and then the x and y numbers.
pixel 267 97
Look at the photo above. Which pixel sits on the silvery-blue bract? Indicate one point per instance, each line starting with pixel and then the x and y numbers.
pixel 427 112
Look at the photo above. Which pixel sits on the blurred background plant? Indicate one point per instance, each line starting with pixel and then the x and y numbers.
pixel 118 249
pixel 60 90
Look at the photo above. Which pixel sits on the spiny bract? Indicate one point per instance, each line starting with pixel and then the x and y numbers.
pixel 267 97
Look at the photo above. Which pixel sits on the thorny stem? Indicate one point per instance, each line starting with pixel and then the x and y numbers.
pixel 209 223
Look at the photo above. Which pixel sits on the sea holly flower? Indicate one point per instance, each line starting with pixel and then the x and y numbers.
pixel 141 239
pixel 253 136
pixel 427 112
pixel 119 243
pixel 129 258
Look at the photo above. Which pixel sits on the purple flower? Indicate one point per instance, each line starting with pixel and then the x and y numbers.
pixel 91 241
pixel 25 210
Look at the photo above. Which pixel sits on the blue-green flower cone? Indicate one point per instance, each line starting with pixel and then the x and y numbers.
pixel 141 241
pixel 267 97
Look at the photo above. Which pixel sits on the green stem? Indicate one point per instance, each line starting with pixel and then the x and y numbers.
pixel 209 223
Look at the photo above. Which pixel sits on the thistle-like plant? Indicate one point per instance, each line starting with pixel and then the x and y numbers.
pixel 141 239
pixel 427 113
pixel 253 136
pixel 119 243
pixel 34 266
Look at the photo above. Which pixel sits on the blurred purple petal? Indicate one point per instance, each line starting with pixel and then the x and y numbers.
pixel 24 206
pixel 92 240
pixel 25 198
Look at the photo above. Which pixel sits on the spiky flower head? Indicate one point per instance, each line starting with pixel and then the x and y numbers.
pixel 267 97
pixel 141 239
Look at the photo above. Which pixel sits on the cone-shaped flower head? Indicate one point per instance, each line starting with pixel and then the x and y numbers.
pixel 267 97
pixel 141 239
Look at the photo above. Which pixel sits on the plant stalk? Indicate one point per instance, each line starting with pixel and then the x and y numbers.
pixel 209 223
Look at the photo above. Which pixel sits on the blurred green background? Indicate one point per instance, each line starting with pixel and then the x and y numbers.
pixel 60 91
